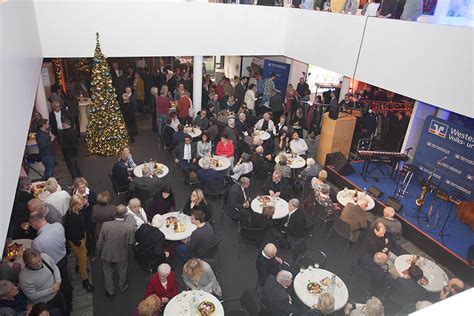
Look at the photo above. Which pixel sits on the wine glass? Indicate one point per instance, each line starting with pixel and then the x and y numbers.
pixel 316 265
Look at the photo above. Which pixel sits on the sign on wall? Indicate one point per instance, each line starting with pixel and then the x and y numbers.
pixel 282 72
pixel 449 148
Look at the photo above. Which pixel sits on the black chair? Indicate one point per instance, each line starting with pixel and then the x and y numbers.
pixel 343 229
pixel 251 304
pixel 143 261
pixel 322 215
pixel 251 236
pixel 304 256
pixel 142 195
pixel 226 209
pixel 147 205
pixel 213 188
pixel 213 252
pixel 119 190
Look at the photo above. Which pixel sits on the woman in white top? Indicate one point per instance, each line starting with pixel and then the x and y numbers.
pixel 58 198
pixel 243 166
pixel 174 121
pixel 136 216
pixel 265 123
pixel 204 146
pixel 250 97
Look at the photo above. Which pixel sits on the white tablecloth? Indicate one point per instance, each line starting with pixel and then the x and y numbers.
pixel 193 132
pixel 293 162
pixel 224 163
pixel 138 171
pixel 25 244
pixel 180 304
pixel 262 134
pixel 341 294
pixel 346 197
pixel 169 232
pixel 281 207
pixel 435 275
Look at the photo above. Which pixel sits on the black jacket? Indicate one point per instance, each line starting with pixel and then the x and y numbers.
pixel 375 273
pixel 266 267
pixel 120 174
pixel 297 223
pixel 151 242
pixel 75 228
pixel 276 298
pixel 69 143
pixel 45 144
pixel 178 152
pixel 283 187
pixel 406 291
pixel 53 123
pixel 201 207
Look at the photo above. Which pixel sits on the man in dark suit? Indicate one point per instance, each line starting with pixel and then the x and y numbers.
pixel 275 296
pixel 239 90
pixel 71 106
pixel 69 148
pixel 178 137
pixel 405 291
pixel 267 263
pixel 377 241
pixel 238 203
pixel 56 119
pixel 145 186
pixel 375 267
pixel 112 246
pixel 207 174
pixel 185 154
pixel 120 172
pixel 302 86
pixel 151 243
pixel 241 124
pixel 277 186
pixel 296 220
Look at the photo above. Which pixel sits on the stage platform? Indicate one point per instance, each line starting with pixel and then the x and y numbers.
pixel 450 249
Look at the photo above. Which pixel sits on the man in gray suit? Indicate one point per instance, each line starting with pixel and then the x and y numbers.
pixel 146 186
pixel 112 246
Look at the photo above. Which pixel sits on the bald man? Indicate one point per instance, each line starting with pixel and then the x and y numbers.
pixel 50 213
pixel 268 263
pixel 375 267
pixel 393 225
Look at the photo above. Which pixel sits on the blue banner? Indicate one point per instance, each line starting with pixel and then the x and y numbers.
pixel 450 149
pixel 282 72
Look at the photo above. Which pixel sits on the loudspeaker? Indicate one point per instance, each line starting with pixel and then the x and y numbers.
pixel 375 191
pixel 340 163
pixel 393 203
pixel 334 112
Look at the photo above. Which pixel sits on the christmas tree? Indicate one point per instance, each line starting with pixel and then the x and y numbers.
pixel 106 132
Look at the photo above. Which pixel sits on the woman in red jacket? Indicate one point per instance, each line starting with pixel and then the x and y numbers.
pixel 163 284
pixel 225 148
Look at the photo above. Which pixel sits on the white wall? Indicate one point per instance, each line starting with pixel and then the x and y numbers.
pixel 431 63
pixel 20 69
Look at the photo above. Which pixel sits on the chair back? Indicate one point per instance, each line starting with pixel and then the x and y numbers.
pixel 299 248
pixel 322 212
pixel 213 250
pixel 213 188
pixel 307 189
pixel 143 262
pixel 308 229
pixel 142 195
pixel 114 184
pixel 147 205
pixel 342 228
pixel 250 235
pixel 250 302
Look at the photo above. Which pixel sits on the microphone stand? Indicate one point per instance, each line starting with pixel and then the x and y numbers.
pixel 441 233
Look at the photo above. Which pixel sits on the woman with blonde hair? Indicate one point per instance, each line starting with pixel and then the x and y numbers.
pixel 75 228
pixel 150 306
pixel 197 202
pixel 81 187
pixel 57 198
pixel 198 275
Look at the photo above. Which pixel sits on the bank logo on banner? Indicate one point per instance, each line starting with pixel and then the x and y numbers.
pixel 438 128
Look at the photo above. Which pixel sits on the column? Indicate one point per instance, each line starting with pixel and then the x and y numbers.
pixel 346 84
pixel 197 83
pixel 41 103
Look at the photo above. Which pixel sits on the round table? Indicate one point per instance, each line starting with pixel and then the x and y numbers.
pixel 169 232
pixel 296 162
pixel 340 293
pixel 437 278
pixel 224 163
pixel 138 171
pixel 193 131
pixel 25 244
pixel 264 135
pixel 281 206
pixel 346 197
pixel 41 192
pixel 180 304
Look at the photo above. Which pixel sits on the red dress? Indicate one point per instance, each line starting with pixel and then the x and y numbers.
pixel 155 287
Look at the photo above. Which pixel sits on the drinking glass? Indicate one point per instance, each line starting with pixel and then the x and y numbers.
pixel 302 269
pixel 316 265
pixel 346 191
pixel 310 268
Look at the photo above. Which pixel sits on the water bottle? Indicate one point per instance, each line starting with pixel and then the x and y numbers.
pixel 332 285
pixel 194 305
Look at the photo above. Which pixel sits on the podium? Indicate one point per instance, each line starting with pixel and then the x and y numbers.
pixel 336 135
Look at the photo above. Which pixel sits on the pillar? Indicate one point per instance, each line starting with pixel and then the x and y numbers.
pixel 41 103
pixel 346 85
pixel 197 83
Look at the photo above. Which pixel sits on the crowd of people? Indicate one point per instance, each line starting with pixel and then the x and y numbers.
pixel 409 10
pixel 233 115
